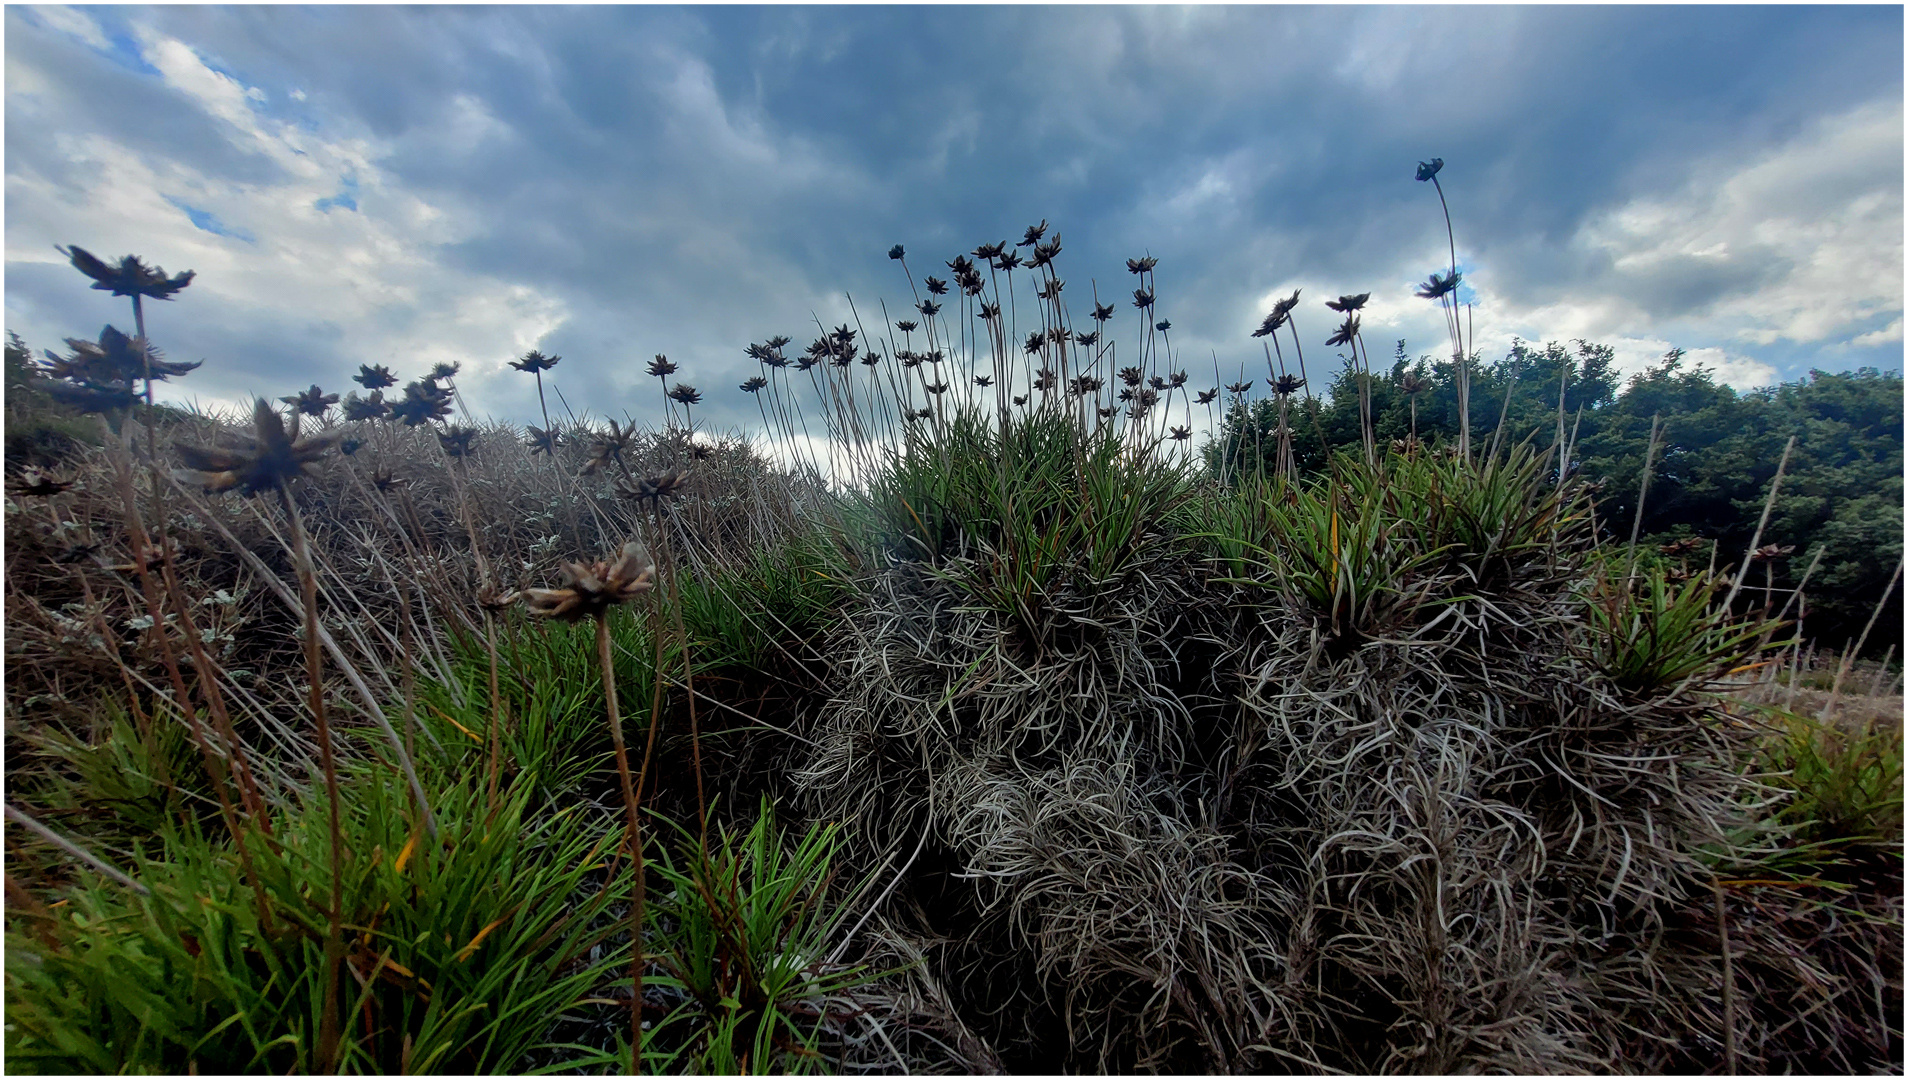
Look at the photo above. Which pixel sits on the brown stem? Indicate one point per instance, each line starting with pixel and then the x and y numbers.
pixel 328 1027
pixel 633 838
pixel 215 768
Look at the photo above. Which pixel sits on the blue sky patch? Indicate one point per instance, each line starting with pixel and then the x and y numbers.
pixel 347 197
pixel 206 220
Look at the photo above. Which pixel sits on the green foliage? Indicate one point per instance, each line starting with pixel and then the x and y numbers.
pixel 734 614
pixel 746 932
pixel 40 431
pixel 1842 489
pixel 459 953
pixel 1845 784
pixel 1340 549
pixel 1042 505
pixel 123 783
pixel 1649 634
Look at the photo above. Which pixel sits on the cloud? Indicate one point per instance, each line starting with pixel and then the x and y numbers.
pixel 609 183
pixel 285 290
pixel 1802 244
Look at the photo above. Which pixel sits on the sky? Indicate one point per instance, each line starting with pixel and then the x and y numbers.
pixel 363 184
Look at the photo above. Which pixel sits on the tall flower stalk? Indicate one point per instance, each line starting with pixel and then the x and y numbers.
pixel 588 592
pixel 277 457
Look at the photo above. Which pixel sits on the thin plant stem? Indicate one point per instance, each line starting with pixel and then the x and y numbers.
pixel 633 838
pixel 328 1031
pixel 1768 506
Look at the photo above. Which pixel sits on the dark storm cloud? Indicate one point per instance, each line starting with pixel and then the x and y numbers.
pixel 690 180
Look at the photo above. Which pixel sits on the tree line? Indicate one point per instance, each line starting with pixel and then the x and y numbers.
pixel 1717 451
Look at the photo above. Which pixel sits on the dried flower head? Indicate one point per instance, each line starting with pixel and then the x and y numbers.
pixel 667 484
pixel 1020 399
pixel 542 441
pixel 441 371
pixel 35 482
pixel 1102 312
pixel 1087 340
pixel 609 447
pixel 1034 233
pixel 374 377
pixel 1429 169
pixel 753 384
pixel 312 402
pixel 1284 307
pixel 988 311
pixel 129 277
pixel 366 408
pixel 1084 384
pixel 897 252
pixel 114 360
pixel 1163 325
pixel 661 367
pixel 1141 265
pixel 1156 383
pixel 1685 546
pixel 493 599
pixel 77 553
pixel 457 440
pixel 928 308
pixel 936 388
pixel 935 286
pixel 983 380
pixel 1181 434
pixel 590 590
pixel 1044 253
pixel 1344 334
pixel 1008 261
pixel 1412 384
pixel 1142 299
pixel 277 456
pixel 1440 285
pixel 1132 376
pixel 1771 552
pixel 1206 397
pixel 1106 413
pixel 685 394
pixel 1035 340
pixel 906 326
pixel 1287 385
pixel 423 402
pixel 1239 387
pixel 533 361
pixel 991 252
pixel 1348 303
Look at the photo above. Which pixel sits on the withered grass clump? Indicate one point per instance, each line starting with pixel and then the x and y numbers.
pixel 1373 793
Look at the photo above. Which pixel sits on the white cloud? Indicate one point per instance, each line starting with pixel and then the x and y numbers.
pixel 74 23
pixel 1803 244
pixel 372 281
pixel 1891 332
